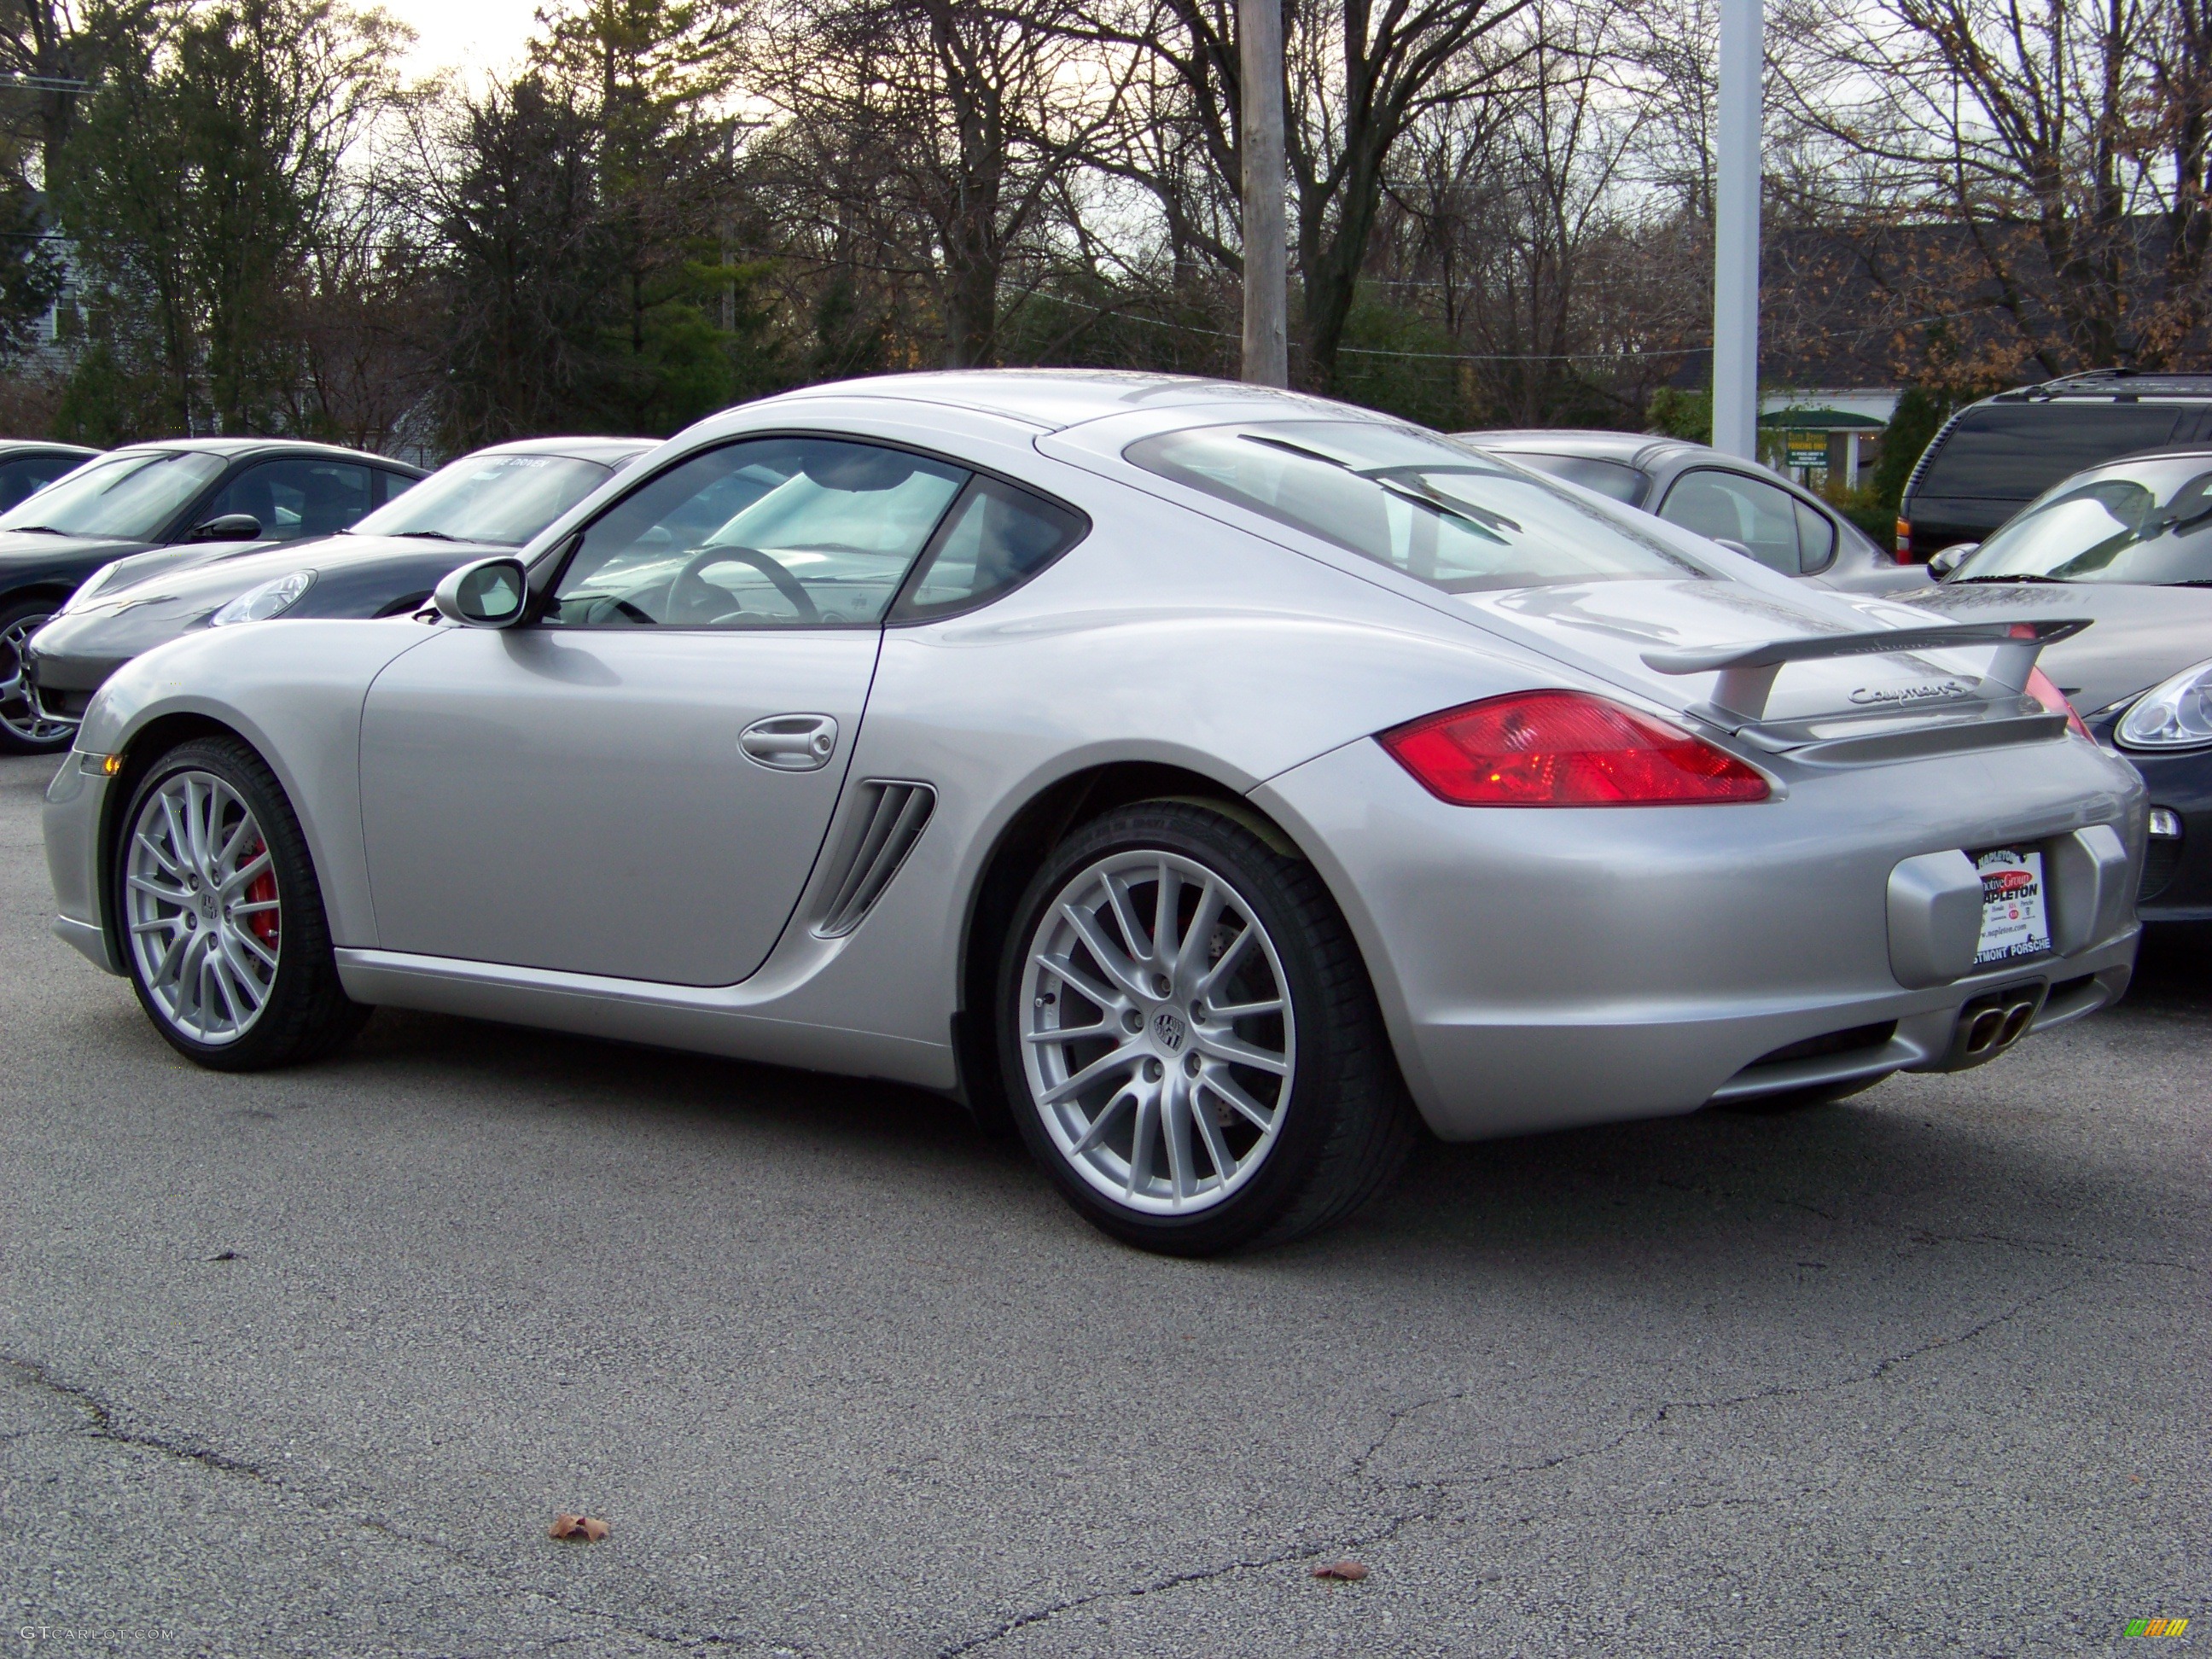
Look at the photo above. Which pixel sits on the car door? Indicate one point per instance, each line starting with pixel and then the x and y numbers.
pixel 637 782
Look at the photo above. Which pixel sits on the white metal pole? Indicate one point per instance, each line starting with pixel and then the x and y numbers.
pixel 1266 278
pixel 1735 231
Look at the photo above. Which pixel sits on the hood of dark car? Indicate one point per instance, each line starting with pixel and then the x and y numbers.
pixel 159 561
pixel 355 576
pixel 26 552
pixel 2140 633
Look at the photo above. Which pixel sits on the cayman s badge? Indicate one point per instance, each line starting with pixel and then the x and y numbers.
pixel 1929 691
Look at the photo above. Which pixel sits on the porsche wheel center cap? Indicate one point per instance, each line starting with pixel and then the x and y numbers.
pixel 1168 1030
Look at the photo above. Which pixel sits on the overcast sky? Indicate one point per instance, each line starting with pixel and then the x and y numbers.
pixel 476 37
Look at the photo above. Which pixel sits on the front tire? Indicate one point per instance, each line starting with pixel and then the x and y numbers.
pixel 224 934
pixel 24 730
pixel 1189 1039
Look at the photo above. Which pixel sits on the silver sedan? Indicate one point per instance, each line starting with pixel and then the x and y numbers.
pixel 1218 785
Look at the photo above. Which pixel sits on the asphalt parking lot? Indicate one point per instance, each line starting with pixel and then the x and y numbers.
pixel 304 1363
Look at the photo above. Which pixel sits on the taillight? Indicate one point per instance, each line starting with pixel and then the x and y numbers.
pixel 1904 541
pixel 2053 700
pixel 1564 748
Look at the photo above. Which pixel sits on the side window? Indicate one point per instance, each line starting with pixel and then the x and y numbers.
pixel 770 532
pixel 1816 540
pixel 302 495
pixel 391 485
pixel 1730 506
pixel 20 479
pixel 996 538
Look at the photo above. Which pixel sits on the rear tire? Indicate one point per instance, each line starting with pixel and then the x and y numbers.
pixel 23 729
pixel 224 935
pixel 1228 1083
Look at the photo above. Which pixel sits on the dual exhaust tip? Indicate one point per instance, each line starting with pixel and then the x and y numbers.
pixel 1992 1023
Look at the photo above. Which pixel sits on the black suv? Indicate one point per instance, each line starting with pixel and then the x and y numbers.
pixel 1993 457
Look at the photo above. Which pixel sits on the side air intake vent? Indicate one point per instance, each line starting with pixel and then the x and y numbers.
pixel 891 820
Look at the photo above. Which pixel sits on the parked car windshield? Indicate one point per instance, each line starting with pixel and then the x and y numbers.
pixel 131 496
pixel 504 499
pixel 2151 523
pixel 1420 504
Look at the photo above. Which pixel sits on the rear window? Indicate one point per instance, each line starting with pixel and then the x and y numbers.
pixel 2012 451
pixel 1417 503
pixel 1625 483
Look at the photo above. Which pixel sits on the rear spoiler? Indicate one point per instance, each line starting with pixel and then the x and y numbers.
pixel 1748 672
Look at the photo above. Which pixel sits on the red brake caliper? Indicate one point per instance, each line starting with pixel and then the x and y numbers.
pixel 262 891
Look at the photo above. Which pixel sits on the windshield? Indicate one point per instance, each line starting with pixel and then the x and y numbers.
pixel 504 499
pixel 1417 503
pixel 2151 523
pixel 131 496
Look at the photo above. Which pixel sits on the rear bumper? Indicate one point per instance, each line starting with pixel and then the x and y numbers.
pixel 1541 969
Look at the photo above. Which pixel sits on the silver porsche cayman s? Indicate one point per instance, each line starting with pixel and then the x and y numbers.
pixel 1219 783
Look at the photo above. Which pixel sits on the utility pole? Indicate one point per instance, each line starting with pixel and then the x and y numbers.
pixel 1266 281
pixel 1735 231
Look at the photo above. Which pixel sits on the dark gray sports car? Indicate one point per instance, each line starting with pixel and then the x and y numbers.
pixel 186 495
pixel 387 564
pixel 2128 545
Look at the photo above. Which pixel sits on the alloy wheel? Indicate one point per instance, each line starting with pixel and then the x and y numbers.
pixel 19 709
pixel 1158 1035
pixel 200 893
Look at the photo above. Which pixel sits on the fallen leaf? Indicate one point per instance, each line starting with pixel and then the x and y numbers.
pixel 228 1255
pixel 1350 1572
pixel 579 1525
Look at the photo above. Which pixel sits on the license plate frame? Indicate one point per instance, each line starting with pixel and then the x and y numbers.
pixel 2015 907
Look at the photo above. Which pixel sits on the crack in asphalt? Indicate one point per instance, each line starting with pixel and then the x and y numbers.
pixel 103 1427
pixel 1442 1488
pixel 1172 1581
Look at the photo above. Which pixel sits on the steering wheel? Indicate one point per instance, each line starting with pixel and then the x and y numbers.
pixel 692 598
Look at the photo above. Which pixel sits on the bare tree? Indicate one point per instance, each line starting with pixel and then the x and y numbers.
pixel 2024 127
pixel 1359 76
pixel 934 137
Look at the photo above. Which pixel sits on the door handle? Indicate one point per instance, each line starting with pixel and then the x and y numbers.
pixel 790 743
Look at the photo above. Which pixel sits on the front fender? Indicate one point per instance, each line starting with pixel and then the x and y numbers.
pixel 294 693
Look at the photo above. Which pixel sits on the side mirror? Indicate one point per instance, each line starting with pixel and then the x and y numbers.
pixel 230 527
pixel 489 594
pixel 1951 558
